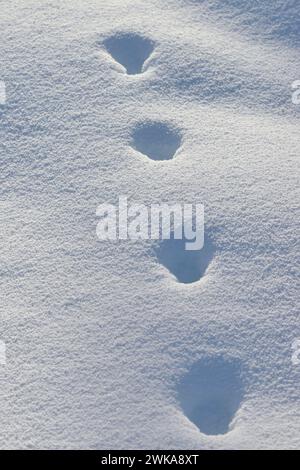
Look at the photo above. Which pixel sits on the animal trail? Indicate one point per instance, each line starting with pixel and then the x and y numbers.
pixel 156 140
pixel 130 50
pixel 187 266
pixel 211 393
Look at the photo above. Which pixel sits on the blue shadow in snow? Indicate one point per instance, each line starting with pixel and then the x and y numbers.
pixel 211 393
pixel 130 50
pixel 156 140
pixel 187 266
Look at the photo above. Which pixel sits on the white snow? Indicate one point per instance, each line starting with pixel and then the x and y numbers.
pixel 107 346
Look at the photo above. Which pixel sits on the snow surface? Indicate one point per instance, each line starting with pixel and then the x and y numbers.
pixel 105 346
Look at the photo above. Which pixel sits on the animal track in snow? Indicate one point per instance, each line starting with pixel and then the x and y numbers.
pixel 187 266
pixel 211 393
pixel 156 140
pixel 130 50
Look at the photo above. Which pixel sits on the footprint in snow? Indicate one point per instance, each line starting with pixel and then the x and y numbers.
pixel 211 393
pixel 156 140
pixel 130 50
pixel 187 266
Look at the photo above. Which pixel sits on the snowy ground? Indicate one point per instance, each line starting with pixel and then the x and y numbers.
pixel 105 347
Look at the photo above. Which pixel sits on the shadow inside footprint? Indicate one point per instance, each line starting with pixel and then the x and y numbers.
pixel 130 50
pixel 187 266
pixel 156 140
pixel 211 393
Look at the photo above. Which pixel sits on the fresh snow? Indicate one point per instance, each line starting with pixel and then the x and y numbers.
pixel 114 344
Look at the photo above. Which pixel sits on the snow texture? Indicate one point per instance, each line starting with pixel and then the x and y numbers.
pixel 112 344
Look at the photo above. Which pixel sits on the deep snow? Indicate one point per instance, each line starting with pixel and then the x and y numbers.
pixel 107 346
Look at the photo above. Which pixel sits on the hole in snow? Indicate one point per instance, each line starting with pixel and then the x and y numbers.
pixel 186 265
pixel 156 140
pixel 211 393
pixel 130 50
